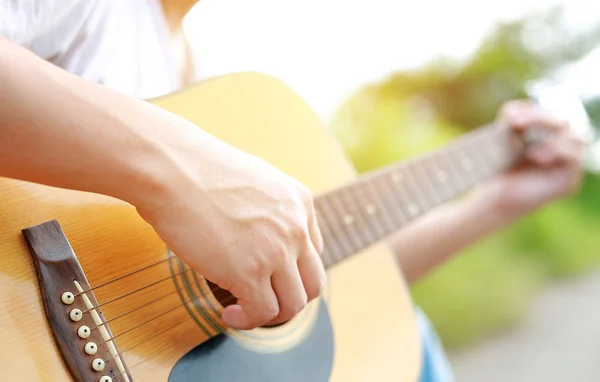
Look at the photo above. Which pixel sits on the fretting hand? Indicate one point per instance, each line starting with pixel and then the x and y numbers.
pixel 551 170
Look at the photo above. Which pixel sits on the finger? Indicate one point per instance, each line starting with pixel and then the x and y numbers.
pixel 537 119
pixel 314 231
pixel 290 292
pixel 310 264
pixel 513 108
pixel 255 307
pixel 556 150
pixel 312 273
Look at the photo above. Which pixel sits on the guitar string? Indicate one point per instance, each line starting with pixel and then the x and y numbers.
pixel 145 340
pixel 120 353
pixel 139 289
pixel 187 319
pixel 179 305
pixel 172 258
pixel 164 313
pixel 146 359
pixel 175 292
pixel 489 129
pixel 127 275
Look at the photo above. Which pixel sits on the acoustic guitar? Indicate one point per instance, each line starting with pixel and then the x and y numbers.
pixel 90 293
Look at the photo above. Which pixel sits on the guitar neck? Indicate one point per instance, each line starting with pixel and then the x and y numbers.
pixel 355 216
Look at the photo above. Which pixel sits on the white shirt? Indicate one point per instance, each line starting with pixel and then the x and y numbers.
pixel 119 43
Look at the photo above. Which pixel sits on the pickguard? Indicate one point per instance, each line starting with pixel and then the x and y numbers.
pixel 224 359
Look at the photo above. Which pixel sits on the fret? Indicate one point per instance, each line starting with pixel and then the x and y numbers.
pixel 358 215
pixel 346 220
pixel 466 165
pixel 334 225
pixel 404 198
pixel 377 187
pixel 429 182
pixel 371 210
pixel 499 154
pixel 326 257
pixel 332 249
pixel 416 189
pixel 483 152
pixel 479 164
pixel 399 211
pixel 485 160
pixel 438 178
pixel 456 171
pixel 355 207
pixel 443 174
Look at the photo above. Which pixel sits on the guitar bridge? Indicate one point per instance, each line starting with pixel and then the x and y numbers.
pixel 76 322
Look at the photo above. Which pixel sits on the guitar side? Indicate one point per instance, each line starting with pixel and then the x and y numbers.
pixel 374 328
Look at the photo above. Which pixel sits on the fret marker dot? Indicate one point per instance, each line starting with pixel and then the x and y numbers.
pixel 396 177
pixel 348 219
pixel 370 209
pixel 413 209
pixel 67 298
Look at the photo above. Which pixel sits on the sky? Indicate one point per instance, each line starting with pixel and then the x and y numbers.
pixel 327 49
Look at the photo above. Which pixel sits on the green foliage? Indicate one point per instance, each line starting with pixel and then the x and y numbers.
pixel 479 292
pixel 564 236
pixel 487 287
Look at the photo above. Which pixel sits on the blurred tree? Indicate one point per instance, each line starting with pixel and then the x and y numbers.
pixel 417 110
pixel 411 112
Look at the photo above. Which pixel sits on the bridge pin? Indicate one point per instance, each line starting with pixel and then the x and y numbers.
pixel 67 298
pixel 98 364
pixel 83 332
pixel 91 348
pixel 76 315
pixel 106 378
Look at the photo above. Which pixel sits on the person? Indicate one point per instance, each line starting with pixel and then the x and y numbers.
pixel 70 117
pixel 551 170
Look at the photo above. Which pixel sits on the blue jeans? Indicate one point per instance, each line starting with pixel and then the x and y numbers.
pixel 435 367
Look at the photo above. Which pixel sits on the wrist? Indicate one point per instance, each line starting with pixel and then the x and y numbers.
pixel 152 171
pixel 484 207
pixel 491 201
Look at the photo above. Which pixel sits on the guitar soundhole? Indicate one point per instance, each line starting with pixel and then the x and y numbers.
pixel 225 299
pixel 223 296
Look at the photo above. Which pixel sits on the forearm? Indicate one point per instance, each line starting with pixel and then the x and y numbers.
pixel 60 130
pixel 433 238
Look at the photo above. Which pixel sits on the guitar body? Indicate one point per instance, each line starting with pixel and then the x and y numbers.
pixel 362 329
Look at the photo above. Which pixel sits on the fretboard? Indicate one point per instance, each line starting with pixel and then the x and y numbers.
pixel 377 204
